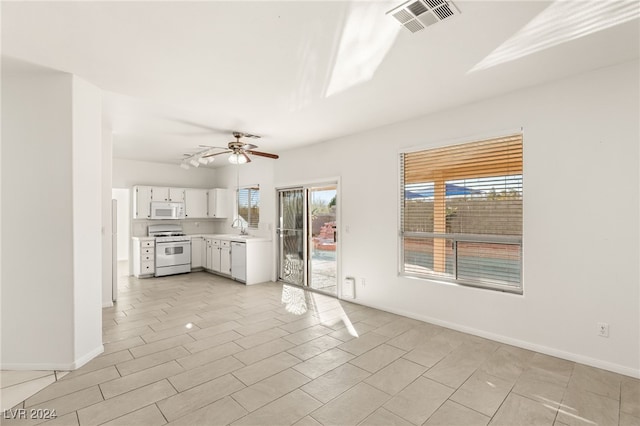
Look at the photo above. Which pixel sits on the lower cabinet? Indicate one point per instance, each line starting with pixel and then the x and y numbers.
pixel 251 265
pixel 197 252
pixel 218 256
pixel 225 257
pixel 143 258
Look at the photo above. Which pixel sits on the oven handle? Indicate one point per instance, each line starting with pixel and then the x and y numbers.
pixel 173 242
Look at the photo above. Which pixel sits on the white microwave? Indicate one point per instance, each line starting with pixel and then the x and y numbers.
pixel 165 210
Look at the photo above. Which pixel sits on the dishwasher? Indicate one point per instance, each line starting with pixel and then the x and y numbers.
pixel 239 261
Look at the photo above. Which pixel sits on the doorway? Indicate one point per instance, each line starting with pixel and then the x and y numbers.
pixel 308 237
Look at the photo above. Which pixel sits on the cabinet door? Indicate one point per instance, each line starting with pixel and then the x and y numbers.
pixel 218 203
pixel 142 202
pixel 197 245
pixel 225 260
pixel 195 202
pixel 176 194
pixel 215 257
pixel 208 258
pixel 159 193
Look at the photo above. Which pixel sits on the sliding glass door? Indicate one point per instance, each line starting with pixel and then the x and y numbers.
pixel 292 236
pixel 308 236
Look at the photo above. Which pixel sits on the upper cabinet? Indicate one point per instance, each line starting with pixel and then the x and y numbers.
pixel 195 203
pixel 142 202
pixel 199 203
pixel 162 193
pixel 219 203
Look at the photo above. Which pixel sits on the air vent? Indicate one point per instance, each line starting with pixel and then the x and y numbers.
pixel 403 16
pixel 443 12
pixel 415 15
pixel 434 3
pixel 417 8
pixel 414 26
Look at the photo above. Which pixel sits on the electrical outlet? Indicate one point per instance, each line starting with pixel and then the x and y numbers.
pixel 603 329
pixel 363 283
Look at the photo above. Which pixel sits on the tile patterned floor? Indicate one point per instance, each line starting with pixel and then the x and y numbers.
pixel 198 349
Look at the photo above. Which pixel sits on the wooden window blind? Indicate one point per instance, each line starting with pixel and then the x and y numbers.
pixel 461 213
pixel 248 206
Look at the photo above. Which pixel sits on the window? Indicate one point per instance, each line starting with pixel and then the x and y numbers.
pixel 248 206
pixel 461 213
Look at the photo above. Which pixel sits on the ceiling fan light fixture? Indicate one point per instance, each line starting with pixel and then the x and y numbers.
pixel 237 159
pixel 203 160
pixel 194 162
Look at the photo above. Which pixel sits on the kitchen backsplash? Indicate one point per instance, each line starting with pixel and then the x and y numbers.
pixel 204 226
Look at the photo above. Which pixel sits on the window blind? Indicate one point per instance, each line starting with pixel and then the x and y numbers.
pixel 461 213
pixel 248 206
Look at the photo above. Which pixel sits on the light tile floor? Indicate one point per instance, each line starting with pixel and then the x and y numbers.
pixel 198 349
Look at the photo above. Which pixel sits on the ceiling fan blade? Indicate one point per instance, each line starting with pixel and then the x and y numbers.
pixel 213 147
pixel 246 156
pixel 215 153
pixel 249 135
pixel 263 154
pixel 249 146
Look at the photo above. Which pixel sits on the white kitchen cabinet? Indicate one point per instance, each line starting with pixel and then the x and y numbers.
pixel 225 257
pixel 142 202
pixel 212 261
pixel 143 257
pixel 176 194
pixel 163 193
pixel 197 252
pixel 195 202
pixel 219 203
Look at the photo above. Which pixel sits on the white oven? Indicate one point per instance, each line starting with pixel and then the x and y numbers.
pixel 173 249
pixel 172 257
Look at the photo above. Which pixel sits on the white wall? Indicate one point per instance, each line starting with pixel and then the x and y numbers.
pixel 127 173
pixel 124 216
pixel 37 290
pixel 106 155
pixel 581 216
pixel 87 220
pixel 51 317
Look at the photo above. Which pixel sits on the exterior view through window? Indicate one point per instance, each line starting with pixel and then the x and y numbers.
pixel 248 206
pixel 461 213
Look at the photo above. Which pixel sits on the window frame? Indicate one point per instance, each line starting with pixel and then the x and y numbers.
pixel 248 221
pixel 459 237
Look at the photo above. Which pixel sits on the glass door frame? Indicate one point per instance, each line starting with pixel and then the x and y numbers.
pixel 306 187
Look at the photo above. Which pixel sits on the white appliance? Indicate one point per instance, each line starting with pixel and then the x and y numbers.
pixel 114 250
pixel 239 261
pixel 167 210
pixel 173 249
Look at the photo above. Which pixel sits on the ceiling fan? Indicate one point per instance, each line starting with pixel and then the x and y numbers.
pixel 239 152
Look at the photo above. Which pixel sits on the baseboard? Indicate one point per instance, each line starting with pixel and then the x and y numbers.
pixel 581 359
pixel 107 304
pixel 55 366
pixel 87 357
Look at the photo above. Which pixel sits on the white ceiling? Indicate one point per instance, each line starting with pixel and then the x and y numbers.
pixel 180 74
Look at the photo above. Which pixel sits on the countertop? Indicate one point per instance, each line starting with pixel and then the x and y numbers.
pixel 226 237
pixel 232 237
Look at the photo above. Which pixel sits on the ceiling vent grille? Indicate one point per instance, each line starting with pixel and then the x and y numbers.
pixel 416 15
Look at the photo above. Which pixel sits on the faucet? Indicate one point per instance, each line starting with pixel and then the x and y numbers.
pixel 243 231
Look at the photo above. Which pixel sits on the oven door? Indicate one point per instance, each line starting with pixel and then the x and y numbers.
pixel 173 253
